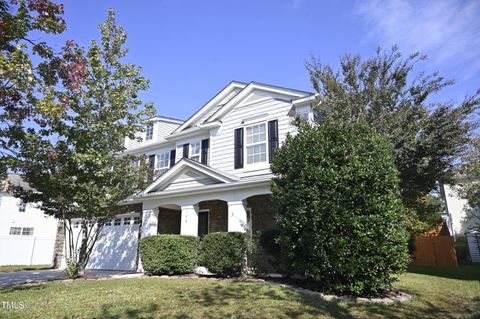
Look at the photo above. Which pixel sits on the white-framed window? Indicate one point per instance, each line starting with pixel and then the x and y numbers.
pixel 22 206
pixel 117 222
pixel 15 230
pixel 108 222
pixel 194 150
pixel 149 132
pixel 136 220
pixel 90 223
pixel 126 221
pixel 76 224
pixel 163 160
pixel 256 143
pixel 27 231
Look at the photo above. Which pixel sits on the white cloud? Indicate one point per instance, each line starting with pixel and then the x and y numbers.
pixel 448 31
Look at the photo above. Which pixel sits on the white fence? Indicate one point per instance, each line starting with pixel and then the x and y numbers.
pixel 31 250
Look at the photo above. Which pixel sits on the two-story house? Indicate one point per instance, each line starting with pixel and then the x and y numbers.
pixel 213 170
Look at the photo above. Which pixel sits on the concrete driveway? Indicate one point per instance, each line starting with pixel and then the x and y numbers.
pixel 25 276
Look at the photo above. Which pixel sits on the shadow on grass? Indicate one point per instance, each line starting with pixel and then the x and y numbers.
pixel 144 312
pixel 469 272
pixel 16 288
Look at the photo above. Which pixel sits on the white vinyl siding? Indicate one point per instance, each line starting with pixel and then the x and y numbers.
pixel 222 143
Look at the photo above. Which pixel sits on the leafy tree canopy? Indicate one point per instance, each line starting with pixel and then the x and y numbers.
pixel 27 87
pixel 79 173
pixel 427 138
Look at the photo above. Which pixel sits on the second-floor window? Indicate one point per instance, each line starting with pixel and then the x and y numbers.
pixel 163 160
pixel 195 151
pixel 256 143
pixel 149 133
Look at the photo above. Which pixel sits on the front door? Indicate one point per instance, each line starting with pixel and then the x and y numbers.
pixel 202 223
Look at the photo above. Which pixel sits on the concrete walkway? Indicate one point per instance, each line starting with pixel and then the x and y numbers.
pixel 27 276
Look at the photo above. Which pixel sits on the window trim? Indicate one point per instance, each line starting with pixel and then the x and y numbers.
pixel 125 219
pixel 29 234
pixel 246 145
pixel 148 134
pixel 15 228
pixel 158 160
pixel 199 154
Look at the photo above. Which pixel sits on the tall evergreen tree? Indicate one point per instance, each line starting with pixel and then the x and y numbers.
pixel 79 173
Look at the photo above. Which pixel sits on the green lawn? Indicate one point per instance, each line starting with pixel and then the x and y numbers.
pixel 433 297
pixel 23 267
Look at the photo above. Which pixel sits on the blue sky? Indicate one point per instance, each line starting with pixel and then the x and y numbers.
pixel 191 49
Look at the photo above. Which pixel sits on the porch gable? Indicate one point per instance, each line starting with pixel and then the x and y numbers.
pixel 186 174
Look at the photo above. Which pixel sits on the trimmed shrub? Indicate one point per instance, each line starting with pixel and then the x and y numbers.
pixel 337 200
pixel 169 254
pixel 224 253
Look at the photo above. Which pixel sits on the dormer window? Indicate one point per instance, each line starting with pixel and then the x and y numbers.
pixel 149 133
pixel 195 151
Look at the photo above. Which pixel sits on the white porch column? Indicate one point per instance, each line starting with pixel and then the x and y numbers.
pixel 189 222
pixel 237 217
pixel 149 222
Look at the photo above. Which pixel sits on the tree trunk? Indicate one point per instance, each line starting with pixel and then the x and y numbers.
pixel 82 252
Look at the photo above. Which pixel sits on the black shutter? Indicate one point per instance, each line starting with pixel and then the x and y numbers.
pixel 272 138
pixel 185 150
pixel 238 161
pixel 151 161
pixel 173 153
pixel 205 147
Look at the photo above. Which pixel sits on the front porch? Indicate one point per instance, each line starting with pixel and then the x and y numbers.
pixel 251 214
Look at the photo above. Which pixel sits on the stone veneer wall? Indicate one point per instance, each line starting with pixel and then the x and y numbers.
pixel 262 212
pixel 58 246
pixel 218 215
pixel 169 221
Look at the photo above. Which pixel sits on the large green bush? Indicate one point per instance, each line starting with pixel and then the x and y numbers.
pixel 265 253
pixel 224 253
pixel 169 254
pixel 338 208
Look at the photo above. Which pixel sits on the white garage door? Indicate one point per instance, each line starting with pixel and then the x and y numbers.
pixel 116 248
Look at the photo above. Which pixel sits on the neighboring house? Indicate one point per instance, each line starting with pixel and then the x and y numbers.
pixel 27 235
pixel 212 170
pixel 458 217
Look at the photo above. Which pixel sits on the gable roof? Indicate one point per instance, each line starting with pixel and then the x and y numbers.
pixel 212 103
pixel 292 93
pixel 185 164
